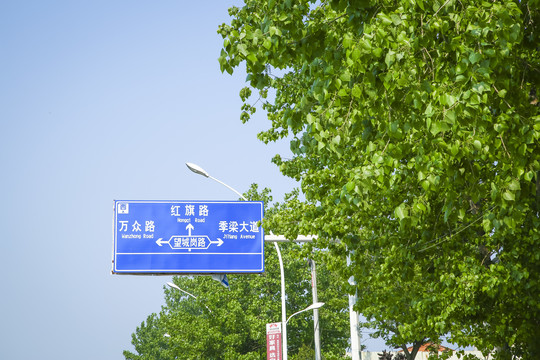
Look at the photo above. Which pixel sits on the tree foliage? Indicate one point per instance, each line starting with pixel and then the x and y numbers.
pixel 149 341
pixel 231 324
pixel 389 356
pixel 415 130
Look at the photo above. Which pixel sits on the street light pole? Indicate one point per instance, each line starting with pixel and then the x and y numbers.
pixel 198 170
pixel 353 318
pixel 283 304
pixel 316 338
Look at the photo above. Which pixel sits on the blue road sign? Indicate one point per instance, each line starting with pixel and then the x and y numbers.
pixel 188 237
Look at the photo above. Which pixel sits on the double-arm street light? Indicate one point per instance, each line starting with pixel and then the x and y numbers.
pixel 198 170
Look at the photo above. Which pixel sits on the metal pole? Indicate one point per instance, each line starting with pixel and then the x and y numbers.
pixel 283 307
pixel 315 311
pixel 353 315
pixel 355 342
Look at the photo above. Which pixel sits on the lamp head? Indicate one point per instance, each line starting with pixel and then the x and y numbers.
pixel 315 305
pixel 197 169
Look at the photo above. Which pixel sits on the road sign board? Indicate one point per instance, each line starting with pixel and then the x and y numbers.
pixel 187 237
pixel 273 341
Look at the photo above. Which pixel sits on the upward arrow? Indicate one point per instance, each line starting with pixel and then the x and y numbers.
pixel 189 227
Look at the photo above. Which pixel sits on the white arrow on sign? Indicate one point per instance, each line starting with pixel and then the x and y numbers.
pixel 219 242
pixel 189 227
pixel 160 241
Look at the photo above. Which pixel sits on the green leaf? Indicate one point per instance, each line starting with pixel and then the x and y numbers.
pixel 479 87
pixel 377 159
pixel 390 58
pixel 426 86
pixel 429 110
pixel 438 126
pixel 355 53
pixel 447 99
pixel 401 212
pixel 474 57
pixel 347 41
pixel 275 31
pixel 509 196
pixel 365 44
pixel 514 185
pixel 454 149
pixel 386 20
pixel 356 91
pixel 396 20
pixel 450 116
pixel 242 49
pixel 252 58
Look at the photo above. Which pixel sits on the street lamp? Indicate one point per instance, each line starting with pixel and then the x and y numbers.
pixel 200 171
pixel 310 307
pixel 185 292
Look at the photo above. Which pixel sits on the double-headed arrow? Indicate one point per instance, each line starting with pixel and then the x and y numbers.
pixel 189 227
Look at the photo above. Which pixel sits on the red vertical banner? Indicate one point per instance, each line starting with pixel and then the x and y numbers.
pixel 273 341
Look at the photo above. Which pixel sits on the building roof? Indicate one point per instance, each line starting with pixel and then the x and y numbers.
pixel 427 347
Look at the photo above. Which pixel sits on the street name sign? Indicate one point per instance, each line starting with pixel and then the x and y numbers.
pixel 187 237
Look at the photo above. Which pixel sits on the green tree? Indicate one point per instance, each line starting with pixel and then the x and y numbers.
pixel 149 341
pixel 231 324
pixel 415 130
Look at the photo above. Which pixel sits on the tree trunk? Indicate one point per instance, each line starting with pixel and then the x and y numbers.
pixel 416 346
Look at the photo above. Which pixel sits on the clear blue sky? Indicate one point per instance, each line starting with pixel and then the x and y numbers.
pixel 104 100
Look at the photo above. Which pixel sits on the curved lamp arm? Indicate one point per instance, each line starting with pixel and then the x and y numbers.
pixel 310 307
pixel 199 170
